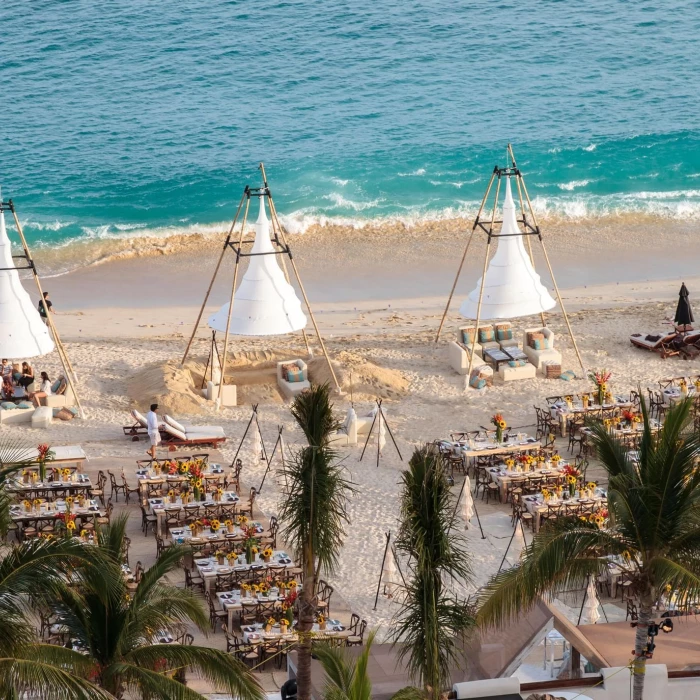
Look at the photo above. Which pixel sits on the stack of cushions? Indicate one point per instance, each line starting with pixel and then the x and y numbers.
pixel 504 332
pixel 292 373
pixel 517 363
pixel 487 335
pixel 481 377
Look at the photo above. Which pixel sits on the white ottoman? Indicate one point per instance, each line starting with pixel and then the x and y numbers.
pixel 42 417
pixel 509 374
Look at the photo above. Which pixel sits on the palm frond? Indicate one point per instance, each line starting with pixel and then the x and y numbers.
pixel 222 670
pixel 346 678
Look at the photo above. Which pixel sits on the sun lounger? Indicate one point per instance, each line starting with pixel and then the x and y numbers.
pixel 186 427
pixel 139 427
pixel 660 343
pixel 172 436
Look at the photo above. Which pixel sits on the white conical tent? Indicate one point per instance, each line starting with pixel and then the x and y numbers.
pixel 512 287
pixel 264 303
pixel 22 332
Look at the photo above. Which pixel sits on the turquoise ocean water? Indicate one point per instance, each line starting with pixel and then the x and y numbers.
pixel 127 118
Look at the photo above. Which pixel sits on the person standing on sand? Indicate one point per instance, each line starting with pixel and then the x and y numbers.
pixel 45 307
pixel 153 431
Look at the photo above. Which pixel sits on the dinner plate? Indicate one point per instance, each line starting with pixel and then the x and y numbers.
pixel 224 569
pixel 206 568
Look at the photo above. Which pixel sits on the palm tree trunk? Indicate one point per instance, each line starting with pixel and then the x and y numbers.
pixel 307 616
pixel 640 642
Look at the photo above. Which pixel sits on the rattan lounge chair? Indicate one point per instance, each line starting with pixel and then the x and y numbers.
pixel 661 343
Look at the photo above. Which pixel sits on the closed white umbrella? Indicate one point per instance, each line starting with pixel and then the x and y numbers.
pixel 382 432
pixel 257 442
pixel 467 502
pixel 390 574
pixel 590 608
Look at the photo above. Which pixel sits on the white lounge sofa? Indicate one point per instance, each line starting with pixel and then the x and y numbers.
pixel 291 389
pixel 538 356
pixel 13 416
pixel 353 426
pixel 458 351
pixel 62 397
pixel 505 337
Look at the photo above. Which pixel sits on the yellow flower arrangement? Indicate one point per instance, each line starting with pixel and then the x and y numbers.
pixel 171 493
pixel 214 525
pixel 228 522
pixel 556 459
pixel 292 584
pixel 27 504
pixel 571 479
pixel 198 483
pixel 37 501
pixel 255 588
pixel 321 619
pixel 546 493
pixel 220 491
pixel 245 586
pixel 267 552
pixel 254 550
pixel 70 525
pixel 83 533
pixel 591 485
pixel 242 519
pixel 271 621
pixel 66 473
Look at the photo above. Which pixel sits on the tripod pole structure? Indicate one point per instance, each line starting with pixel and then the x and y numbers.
pixel 387 535
pixel 464 257
pixel 483 281
pixel 551 271
pixel 476 512
pixel 369 435
pixel 275 218
pixel 379 432
pixel 216 272
pixel 71 377
pixel 519 522
pixel 272 455
pixel 391 435
pixel 230 307
pixel 245 433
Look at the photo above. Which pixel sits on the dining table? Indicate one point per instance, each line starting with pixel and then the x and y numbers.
pixel 536 506
pixel 73 484
pixel 562 411
pixel 504 476
pixel 234 601
pixel 473 448
pixel 209 568
pixel 164 506
pixel 53 509
pixel 211 472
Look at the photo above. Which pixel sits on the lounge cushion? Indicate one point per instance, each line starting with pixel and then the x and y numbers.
pixel 567 376
pixel 477 382
pixel 487 335
pixel 468 335
pixel 653 338
pixel 139 418
pixel 517 363
pixel 295 375
pixel 504 333
pixel 8 405
pixel 175 432
pixel 174 423
pixel 55 386
pixel 25 404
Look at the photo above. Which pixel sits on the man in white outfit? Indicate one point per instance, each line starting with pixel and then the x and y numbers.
pixel 153 431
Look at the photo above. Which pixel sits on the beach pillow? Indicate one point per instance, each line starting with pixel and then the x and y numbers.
pixel 55 386
pixel 653 338
pixel 517 363
pixel 486 335
pixel 286 369
pixel 295 375
pixel 8 405
pixel 477 382
pixel 64 414
pixel 567 376
pixel 468 335
pixel 25 404
pixel 175 432
pixel 172 422
pixel 504 333
pixel 17 376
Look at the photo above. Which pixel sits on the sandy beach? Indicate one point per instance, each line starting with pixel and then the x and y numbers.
pixel 124 320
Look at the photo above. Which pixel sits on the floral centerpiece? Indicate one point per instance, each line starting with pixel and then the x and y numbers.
pixel 600 381
pixel 46 454
pixel 268 625
pixel 250 544
pixel 555 459
pixel 267 554
pixel 572 476
pixel 245 590
pixel 599 517
pixel 546 495
pixel 321 622
pixel 630 417
pixel 214 525
pixel 229 525
pixel 590 488
pixel 499 422
pixel 220 556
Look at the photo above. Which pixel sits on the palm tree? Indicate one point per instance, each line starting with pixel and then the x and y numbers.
pixel 653 528
pixel 116 630
pixel 313 512
pixel 347 678
pixel 432 619
pixel 27 666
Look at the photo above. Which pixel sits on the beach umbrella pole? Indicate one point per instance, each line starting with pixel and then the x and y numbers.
pixel 245 433
pixel 476 512
pixel 378 419
pixel 519 523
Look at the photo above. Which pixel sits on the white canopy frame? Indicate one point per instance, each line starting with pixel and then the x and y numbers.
pixel 70 374
pixel 530 227
pixel 280 247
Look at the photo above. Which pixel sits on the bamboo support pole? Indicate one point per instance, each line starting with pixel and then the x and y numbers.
pixel 554 281
pixel 483 280
pixel 230 306
pixel 464 257
pixel 71 377
pixel 213 279
pixel 273 211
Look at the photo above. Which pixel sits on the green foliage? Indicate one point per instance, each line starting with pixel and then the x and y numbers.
pixel 432 620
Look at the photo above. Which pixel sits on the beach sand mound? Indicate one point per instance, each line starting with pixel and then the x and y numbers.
pixel 170 386
pixel 368 379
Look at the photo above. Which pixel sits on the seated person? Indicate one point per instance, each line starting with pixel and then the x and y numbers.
pixel 8 390
pixel 44 390
pixel 27 376
pixel 6 368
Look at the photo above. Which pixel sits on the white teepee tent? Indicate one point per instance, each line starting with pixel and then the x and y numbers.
pixel 22 332
pixel 265 303
pixel 512 287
